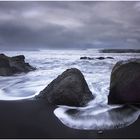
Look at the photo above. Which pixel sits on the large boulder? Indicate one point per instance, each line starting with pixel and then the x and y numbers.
pixel 125 82
pixel 69 88
pixel 13 65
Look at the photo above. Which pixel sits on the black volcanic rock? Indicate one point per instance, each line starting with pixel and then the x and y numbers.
pixel 13 65
pixel 86 58
pixel 109 57
pixel 69 88
pixel 5 69
pixel 91 58
pixel 125 82
pixel 100 58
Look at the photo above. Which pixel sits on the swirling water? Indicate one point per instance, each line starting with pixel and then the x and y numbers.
pixel 50 63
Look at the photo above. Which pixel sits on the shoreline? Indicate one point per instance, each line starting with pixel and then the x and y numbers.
pixel 35 119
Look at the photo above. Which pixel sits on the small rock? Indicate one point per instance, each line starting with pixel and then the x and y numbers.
pixel 100 132
pixel 109 57
pixel 86 58
pixel 100 58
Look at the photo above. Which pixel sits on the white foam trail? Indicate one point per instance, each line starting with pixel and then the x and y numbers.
pixel 5 97
pixel 101 119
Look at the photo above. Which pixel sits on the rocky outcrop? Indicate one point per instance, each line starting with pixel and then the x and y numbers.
pixel 125 82
pixel 92 58
pixel 13 65
pixel 87 58
pixel 69 88
pixel 120 51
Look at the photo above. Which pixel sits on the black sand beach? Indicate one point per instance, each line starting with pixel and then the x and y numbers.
pixel 35 119
pixel 81 55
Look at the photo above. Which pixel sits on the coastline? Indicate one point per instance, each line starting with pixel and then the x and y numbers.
pixel 35 119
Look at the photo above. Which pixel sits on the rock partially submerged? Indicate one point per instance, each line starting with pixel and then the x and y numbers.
pixel 69 88
pixel 109 57
pixel 13 65
pixel 125 82
pixel 87 58
pixel 92 58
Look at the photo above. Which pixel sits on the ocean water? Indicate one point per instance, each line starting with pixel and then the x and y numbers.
pixel 96 115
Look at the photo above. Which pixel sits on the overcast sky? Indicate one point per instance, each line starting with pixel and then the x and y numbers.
pixel 75 25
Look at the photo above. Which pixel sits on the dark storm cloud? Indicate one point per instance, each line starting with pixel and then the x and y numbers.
pixel 69 24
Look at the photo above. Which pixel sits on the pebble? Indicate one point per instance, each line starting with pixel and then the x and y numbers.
pixel 100 132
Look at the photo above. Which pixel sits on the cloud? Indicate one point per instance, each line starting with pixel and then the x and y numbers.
pixel 69 24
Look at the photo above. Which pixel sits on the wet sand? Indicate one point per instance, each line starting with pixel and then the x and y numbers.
pixel 35 119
